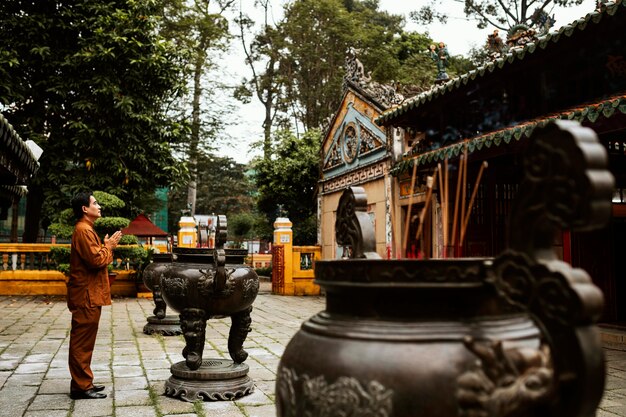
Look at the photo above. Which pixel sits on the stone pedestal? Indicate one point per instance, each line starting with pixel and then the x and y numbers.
pixel 168 326
pixel 215 380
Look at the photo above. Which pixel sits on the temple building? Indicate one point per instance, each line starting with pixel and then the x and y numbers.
pixel 18 163
pixel 356 152
pixel 575 73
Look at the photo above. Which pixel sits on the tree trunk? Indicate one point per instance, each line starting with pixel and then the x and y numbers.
pixel 195 126
pixel 34 203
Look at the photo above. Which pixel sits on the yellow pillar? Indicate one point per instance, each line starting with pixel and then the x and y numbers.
pixel 187 234
pixel 283 235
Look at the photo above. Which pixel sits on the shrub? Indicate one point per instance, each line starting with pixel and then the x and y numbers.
pixel 129 240
pixel 132 256
pixel 60 255
pixel 109 225
pixel 265 272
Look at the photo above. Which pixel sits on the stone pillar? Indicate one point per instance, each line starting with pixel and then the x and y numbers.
pixel 283 235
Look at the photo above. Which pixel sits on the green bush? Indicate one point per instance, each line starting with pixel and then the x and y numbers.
pixel 133 256
pixel 60 255
pixel 129 240
pixel 64 268
pixel 61 230
pixel 109 225
pixel 110 204
pixel 265 272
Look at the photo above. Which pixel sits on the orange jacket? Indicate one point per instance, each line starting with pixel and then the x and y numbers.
pixel 88 285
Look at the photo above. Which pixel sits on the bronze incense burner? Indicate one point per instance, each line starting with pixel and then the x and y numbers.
pixel 502 337
pixel 210 283
pixel 159 323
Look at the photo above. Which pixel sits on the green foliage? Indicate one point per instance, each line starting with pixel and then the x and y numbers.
pixel 110 204
pixel 290 181
pixel 64 268
pixel 299 63
pixel 132 256
pixel 263 272
pixel 498 14
pixel 241 225
pixel 61 230
pixel 109 225
pixel 129 240
pixel 60 255
pixel 248 225
pixel 90 82
pixel 201 30
pixel 223 187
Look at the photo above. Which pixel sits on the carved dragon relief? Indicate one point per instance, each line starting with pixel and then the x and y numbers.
pixel 566 184
pixel 346 397
pixel 503 381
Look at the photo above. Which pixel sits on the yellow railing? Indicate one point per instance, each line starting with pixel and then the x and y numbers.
pixel 27 269
pixel 26 256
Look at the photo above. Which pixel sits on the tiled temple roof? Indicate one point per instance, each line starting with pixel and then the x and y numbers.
pixel 15 156
pixel 588 112
pixel 514 55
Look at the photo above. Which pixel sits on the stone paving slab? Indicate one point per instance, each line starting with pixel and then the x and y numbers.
pixel 34 379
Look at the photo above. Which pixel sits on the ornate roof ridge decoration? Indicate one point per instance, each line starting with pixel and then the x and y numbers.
pixel 383 94
pixel 515 54
pixel 589 112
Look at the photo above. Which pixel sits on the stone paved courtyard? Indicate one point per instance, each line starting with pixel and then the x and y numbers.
pixel 34 380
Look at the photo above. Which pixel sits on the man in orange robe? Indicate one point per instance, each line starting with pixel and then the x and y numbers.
pixel 87 291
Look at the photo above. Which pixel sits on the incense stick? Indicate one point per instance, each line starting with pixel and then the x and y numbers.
pixel 471 203
pixel 430 183
pixel 463 186
pixel 441 192
pixel 405 237
pixel 456 198
pixel 463 190
pixel 445 207
pixel 392 215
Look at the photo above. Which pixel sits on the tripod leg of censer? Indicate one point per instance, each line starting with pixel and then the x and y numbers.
pixel 193 325
pixel 159 310
pixel 239 330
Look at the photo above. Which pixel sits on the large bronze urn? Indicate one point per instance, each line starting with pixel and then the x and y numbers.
pixel 202 284
pixel 502 337
pixel 159 323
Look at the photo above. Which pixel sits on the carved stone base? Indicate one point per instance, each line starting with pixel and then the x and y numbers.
pixel 168 326
pixel 215 380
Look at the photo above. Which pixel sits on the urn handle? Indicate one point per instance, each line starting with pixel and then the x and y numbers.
pixel 353 226
pixel 219 254
pixel 566 185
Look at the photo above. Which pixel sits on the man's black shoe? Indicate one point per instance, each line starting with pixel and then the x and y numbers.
pixel 98 388
pixel 90 394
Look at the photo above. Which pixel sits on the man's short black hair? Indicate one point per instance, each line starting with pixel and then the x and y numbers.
pixel 78 201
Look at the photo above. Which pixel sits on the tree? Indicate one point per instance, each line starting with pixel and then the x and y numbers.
pixel 223 188
pixel 298 63
pixel 263 56
pixel 288 182
pixel 90 82
pixel 198 27
pixel 501 14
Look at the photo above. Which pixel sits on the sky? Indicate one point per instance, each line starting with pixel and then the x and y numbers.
pixel 460 35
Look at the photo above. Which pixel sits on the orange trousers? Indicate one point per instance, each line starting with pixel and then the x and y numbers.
pixel 82 341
